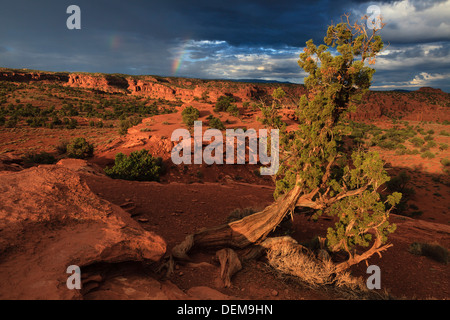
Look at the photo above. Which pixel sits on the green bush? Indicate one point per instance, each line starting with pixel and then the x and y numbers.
pixel 433 251
pixel 417 142
pixel 223 103
pixel 125 124
pixel 72 124
pixel 401 183
pixel 445 162
pixel 139 165
pixel 427 154
pixel 190 115
pixel 39 158
pixel 216 123
pixel 233 110
pixel 79 148
pixel 431 144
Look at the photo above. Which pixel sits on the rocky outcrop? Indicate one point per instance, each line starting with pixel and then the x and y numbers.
pixel 7 75
pixel 424 104
pixel 105 83
pixel 49 220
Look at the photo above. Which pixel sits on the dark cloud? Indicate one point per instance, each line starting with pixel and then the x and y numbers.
pixel 215 39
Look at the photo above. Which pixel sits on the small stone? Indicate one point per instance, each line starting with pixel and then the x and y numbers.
pixel 180 273
pixel 274 293
pixel 143 220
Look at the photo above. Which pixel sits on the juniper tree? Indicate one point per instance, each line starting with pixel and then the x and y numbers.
pixel 337 184
pixel 315 171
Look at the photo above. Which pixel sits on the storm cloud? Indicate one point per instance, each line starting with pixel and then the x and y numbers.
pixel 256 39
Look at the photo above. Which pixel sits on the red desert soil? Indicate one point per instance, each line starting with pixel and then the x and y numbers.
pixel 205 205
pixel 46 211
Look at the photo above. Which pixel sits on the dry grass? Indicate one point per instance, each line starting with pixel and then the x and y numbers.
pixel 289 258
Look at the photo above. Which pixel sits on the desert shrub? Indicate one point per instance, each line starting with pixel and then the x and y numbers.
pixel 387 144
pixel 223 103
pixel 430 131
pixel 445 162
pixel 428 137
pixel 402 184
pixel 233 110
pixel 190 115
pixel 139 165
pixel 431 144
pixel 288 258
pixel 79 148
pixel 444 133
pixel 11 122
pixel 123 127
pixel 39 158
pixel 72 124
pixel 443 146
pixel 61 147
pixel 433 251
pixel 216 123
pixel 427 154
pixel 417 142
pixel 125 124
pixel 238 214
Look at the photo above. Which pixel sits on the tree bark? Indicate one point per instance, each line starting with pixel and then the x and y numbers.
pixel 242 233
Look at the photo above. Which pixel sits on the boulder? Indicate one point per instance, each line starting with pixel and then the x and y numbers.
pixel 50 220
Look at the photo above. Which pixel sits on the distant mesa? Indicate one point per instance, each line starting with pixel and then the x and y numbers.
pixel 430 90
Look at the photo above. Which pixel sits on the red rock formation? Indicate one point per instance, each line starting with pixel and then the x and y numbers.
pixel 49 220
pixel 425 104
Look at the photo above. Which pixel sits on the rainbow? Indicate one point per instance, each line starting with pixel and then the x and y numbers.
pixel 179 59
pixel 115 42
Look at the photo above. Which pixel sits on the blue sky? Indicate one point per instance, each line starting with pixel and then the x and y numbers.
pixel 258 39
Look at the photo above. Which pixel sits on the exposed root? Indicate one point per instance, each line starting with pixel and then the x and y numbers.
pixel 229 265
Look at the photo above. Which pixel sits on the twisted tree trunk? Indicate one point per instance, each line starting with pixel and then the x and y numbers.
pixel 239 234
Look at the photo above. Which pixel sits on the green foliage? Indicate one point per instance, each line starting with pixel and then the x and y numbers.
pixel 139 165
pixel 223 103
pixel 312 155
pixel 270 116
pixel 417 142
pixel 125 124
pixel 79 148
pixel 216 123
pixel 39 158
pixel 401 184
pixel 428 154
pixel 445 162
pixel 190 115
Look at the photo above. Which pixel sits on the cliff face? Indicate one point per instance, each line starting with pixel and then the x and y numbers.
pixel 104 83
pixel 425 104
pixel 6 75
